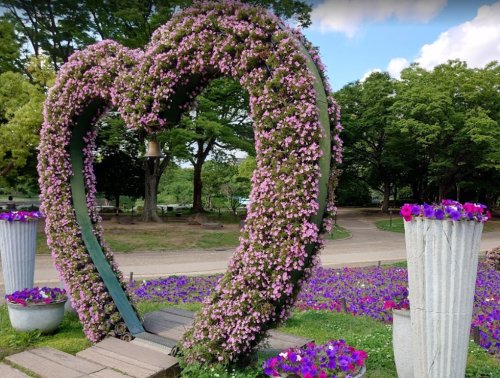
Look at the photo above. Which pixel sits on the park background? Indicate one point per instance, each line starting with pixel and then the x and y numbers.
pixel 415 131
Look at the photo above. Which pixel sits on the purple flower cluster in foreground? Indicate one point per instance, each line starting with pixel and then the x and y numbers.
pixel 448 209
pixel 363 291
pixel 20 216
pixel 332 359
pixel 36 295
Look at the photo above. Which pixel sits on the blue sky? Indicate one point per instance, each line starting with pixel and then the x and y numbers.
pixel 356 37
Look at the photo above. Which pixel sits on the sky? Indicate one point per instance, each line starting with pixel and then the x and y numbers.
pixel 356 37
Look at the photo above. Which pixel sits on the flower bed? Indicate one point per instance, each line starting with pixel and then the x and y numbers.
pixel 364 291
pixel 332 359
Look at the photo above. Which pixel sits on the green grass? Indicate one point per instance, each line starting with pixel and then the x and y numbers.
pixel 362 332
pixel 69 337
pixel 339 233
pixel 397 225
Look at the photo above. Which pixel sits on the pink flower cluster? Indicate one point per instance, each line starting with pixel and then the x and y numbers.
pixel 87 78
pixel 279 244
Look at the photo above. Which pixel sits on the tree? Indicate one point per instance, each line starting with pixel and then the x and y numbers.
pixel 57 28
pixel 367 116
pixel 219 120
pixel 450 118
pixel 20 121
pixel 118 168
pixel 10 47
pixel 60 27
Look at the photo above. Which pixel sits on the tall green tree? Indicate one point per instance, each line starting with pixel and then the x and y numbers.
pixel 58 27
pixel 118 167
pixel 370 153
pixel 20 121
pixel 219 120
pixel 450 118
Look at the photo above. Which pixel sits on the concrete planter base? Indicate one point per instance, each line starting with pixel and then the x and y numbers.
pixel 402 342
pixel 18 247
pixel 44 317
pixel 442 269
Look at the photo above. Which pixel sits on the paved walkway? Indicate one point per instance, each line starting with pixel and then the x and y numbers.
pixel 367 246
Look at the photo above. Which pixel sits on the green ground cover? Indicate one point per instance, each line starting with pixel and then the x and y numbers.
pixel 362 332
pixel 169 236
pixel 339 233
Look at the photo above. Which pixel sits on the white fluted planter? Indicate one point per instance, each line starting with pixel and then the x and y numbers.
pixel 402 343
pixel 442 268
pixel 17 248
pixel 43 317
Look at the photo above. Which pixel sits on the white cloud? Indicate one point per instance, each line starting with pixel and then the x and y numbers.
pixel 396 65
pixel 346 16
pixel 477 42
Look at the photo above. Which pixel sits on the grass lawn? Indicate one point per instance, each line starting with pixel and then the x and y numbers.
pixel 170 236
pixel 361 332
pixel 339 233
pixel 69 337
pixel 397 225
pixel 160 237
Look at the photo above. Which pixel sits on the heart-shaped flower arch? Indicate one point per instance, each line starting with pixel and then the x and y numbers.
pixel 296 125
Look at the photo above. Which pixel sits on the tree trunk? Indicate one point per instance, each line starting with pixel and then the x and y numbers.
pixel 387 194
pixel 117 203
pixel 154 168
pixel 197 187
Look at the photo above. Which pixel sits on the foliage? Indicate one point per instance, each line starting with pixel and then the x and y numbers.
pixel 69 337
pixel 20 120
pixel 10 47
pixel 118 169
pixel 395 225
pixel 176 186
pixel 448 121
pixel 339 233
pixel 371 157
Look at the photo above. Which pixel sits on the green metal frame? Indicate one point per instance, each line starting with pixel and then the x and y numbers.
pixel 82 125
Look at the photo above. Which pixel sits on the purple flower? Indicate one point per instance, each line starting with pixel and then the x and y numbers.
pixel 447 209
pixel 415 210
pixel 20 216
pixel 428 211
pixel 439 214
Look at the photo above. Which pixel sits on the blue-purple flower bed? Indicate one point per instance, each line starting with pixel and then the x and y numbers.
pixel 362 291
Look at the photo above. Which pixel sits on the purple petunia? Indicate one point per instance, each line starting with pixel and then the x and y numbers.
pixel 36 295
pixel 20 216
pixel 448 209
pixel 325 360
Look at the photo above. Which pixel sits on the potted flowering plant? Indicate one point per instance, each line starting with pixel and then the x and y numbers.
pixel 36 308
pixel 402 340
pixel 335 358
pixel 17 248
pixel 442 243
